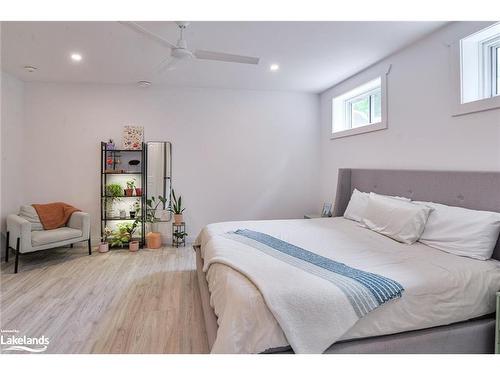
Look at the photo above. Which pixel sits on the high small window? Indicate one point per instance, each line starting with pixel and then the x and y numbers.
pixel 479 64
pixel 358 110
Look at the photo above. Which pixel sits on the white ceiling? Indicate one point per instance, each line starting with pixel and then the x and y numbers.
pixel 312 55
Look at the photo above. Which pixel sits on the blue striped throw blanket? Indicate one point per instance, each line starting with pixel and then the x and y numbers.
pixel 314 299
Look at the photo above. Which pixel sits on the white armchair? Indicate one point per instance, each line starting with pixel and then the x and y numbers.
pixel 23 239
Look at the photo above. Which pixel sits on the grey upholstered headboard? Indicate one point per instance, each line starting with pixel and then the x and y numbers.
pixel 474 190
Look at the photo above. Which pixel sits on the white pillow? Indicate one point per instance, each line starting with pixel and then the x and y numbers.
pixel 29 213
pixel 357 205
pixel 398 219
pixel 359 201
pixel 461 231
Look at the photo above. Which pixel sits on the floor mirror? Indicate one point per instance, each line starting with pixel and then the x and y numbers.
pixel 159 176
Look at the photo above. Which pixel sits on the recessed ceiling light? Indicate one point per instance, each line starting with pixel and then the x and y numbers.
pixel 274 67
pixel 76 57
pixel 143 83
pixel 30 68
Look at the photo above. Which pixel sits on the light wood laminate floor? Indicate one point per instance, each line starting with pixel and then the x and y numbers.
pixel 117 302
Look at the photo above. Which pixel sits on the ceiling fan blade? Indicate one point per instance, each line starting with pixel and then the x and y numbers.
pixel 141 30
pixel 226 57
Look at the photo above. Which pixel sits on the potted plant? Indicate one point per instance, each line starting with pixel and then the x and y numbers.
pixel 134 209
pixel 176 208
pixel 153 238
pixel 104 245
pixel 113 192
pixel 129 191
pixel 179 237
pixel 138 191
pixel 124 234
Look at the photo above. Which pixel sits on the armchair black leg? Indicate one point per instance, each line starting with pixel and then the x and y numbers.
pixel 16 267
pixel 90 247
pixel 7 247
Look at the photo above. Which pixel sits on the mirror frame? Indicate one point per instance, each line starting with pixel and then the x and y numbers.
pixel 167 165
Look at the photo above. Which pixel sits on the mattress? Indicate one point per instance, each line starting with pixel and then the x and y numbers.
pixel 440 288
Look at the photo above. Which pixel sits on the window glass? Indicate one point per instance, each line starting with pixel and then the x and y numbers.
pixel 360 112
pixel 377 106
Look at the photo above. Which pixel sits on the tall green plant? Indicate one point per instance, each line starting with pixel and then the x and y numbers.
pixel 176 204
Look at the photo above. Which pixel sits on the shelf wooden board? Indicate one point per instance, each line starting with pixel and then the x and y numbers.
pixel 121 150
pixel 116 218
pixel 121 196
pixel 118 173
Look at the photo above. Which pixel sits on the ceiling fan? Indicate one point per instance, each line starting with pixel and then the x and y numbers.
pixel 180 52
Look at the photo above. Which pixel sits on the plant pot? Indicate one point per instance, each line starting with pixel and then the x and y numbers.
pixel 153 240
pixel 138 191
pixel 133 245
pixel 129 192
pixel 132 214
pixel 103 247
pixel 178 218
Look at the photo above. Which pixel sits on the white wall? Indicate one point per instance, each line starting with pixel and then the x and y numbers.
pixel 12 135
pixel 422 134
pixel 236 154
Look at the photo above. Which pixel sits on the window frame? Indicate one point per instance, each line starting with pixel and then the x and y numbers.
pixel 351 84
pixel 484 85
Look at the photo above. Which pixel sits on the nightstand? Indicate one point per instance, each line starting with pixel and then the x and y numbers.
pixel 497 331
pixel 312 216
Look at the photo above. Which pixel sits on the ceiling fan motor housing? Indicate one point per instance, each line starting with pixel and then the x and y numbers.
pixel 181 53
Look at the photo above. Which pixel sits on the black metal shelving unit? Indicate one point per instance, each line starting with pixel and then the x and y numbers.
pixel 105 199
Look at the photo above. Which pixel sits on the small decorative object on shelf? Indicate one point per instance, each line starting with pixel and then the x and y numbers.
pixel 110 145
pixel 179 234
pixel 176 208
pixel 134 164
pixel 133 137
pixel 123 214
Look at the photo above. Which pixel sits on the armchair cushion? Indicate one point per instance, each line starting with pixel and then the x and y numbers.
pixel 45 237
pixel 29 213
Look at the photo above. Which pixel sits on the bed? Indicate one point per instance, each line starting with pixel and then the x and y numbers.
pixel 448 302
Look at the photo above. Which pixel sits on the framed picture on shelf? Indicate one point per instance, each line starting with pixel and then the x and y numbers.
pixel 133 137
pixel 327 210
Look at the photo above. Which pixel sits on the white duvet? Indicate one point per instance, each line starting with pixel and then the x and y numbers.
pixel 440 288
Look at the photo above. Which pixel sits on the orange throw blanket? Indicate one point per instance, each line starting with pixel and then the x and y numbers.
pixel 54 215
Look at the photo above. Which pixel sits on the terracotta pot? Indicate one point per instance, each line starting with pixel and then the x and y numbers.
pixel 138 191
pixel 129 192
pixel 133 245
pixel 103 247
pixel 153 240
pixel 178 218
